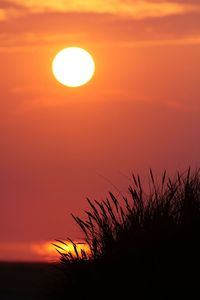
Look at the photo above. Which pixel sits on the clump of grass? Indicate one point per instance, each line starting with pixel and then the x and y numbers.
pixel 146 243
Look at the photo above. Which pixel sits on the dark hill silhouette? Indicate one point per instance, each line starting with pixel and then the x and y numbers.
pixel 143 246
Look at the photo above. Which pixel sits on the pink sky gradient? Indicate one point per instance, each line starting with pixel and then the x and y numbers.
pixel 60 145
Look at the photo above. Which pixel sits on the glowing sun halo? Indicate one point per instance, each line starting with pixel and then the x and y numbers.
pixel 73 66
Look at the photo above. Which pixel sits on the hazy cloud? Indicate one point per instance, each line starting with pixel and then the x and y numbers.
pixel 44 23
pixel 10 10
pixel 48 28
pixel 134 9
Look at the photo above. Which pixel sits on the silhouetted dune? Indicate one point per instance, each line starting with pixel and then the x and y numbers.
pixel 143 246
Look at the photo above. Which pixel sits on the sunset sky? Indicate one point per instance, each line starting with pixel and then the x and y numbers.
pixel 59 145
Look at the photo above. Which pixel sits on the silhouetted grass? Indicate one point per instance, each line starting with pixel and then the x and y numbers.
pixel 145 244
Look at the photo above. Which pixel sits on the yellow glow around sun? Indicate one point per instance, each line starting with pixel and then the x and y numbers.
pixel 73 66
pixel 47 251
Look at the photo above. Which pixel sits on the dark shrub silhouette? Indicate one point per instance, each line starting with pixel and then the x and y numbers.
pixel 142 246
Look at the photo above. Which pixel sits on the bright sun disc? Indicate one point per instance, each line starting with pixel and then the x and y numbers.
pixel 73 66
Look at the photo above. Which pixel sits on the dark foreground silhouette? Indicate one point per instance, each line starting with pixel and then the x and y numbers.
pixel 143 245
pixel 27 281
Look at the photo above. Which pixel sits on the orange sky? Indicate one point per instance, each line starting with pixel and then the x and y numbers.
pixel 57 145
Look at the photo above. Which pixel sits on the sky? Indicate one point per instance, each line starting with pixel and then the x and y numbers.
pixel 59 145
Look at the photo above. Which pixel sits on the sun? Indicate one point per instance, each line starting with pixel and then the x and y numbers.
pixel 73 66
